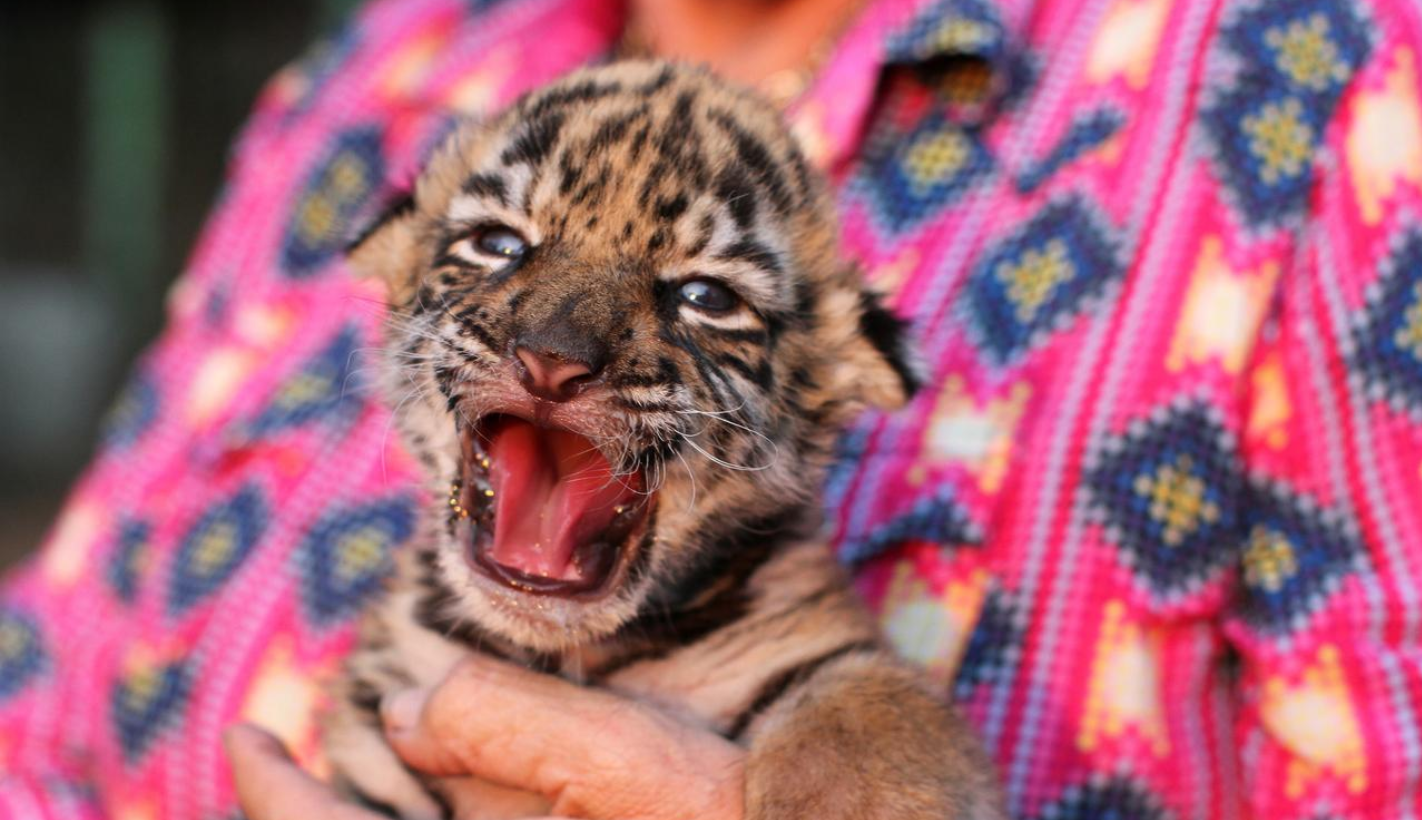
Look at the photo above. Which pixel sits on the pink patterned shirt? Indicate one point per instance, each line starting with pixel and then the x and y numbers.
pixel 1156 524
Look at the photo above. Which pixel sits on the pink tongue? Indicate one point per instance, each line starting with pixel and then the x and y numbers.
pixel 553 492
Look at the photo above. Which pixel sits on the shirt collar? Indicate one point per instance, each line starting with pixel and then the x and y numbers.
pixel 956 41
pixel 928 36
pixel 948 29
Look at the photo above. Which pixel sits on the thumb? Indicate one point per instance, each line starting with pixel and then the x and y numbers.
pixel 588 751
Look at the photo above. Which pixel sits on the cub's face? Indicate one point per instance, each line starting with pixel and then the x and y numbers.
pixel 621 344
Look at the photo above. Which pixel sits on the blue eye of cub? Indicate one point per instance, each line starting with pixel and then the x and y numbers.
pixel 710 296
pixel 497 240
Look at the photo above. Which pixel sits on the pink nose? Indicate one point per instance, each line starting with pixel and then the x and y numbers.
pixel 552 378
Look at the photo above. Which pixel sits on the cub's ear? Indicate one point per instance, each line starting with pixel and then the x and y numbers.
pixel 388 250
pixel 888 335
pixel 877 366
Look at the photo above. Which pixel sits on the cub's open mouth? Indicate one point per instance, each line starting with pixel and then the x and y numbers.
pixel 547 513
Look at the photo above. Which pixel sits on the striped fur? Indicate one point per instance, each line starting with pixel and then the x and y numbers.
pixel 627 181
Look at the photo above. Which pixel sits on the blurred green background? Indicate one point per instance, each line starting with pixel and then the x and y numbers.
pixel 115 117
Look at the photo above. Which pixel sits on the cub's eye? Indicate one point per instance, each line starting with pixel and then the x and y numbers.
pixel 710 296
pixel 497 240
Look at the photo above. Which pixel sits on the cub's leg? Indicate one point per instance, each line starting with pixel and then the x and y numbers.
pixel 859 738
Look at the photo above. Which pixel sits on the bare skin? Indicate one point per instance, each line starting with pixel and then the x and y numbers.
pixel 591 754
pixel 587 752
pixel 743 40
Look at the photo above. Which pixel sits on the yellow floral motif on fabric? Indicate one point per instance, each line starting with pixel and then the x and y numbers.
pixel 14 639
pixel 1314 719
pixel 1033 279
pixel 1306 53
pixel 303 389
pixel 1280 139
pixel 1269 560
pixel 141 686
pixel 959 34
pixel 214 548
pixel 1409 336
pixel 344 180
pixel 936 156
pixel 1177 499
pixel 360 552
pixel 1124 697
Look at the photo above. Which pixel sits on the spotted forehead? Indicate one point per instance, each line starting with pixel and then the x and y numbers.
pixel 678 132
pixel 646 159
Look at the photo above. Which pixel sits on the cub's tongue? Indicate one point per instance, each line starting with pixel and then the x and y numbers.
pixel 554 497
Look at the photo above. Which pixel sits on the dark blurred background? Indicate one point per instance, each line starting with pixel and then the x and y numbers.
pixel 115 117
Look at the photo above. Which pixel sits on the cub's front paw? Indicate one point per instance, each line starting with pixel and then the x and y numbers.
pixel 860 739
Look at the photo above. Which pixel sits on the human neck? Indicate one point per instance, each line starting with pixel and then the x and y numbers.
pixel 743 40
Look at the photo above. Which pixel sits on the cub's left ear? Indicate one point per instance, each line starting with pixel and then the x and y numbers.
pixel 878 366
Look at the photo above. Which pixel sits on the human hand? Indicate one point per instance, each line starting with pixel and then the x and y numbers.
pixel 588 753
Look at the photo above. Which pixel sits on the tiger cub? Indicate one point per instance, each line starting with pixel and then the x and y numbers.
pixel 622 346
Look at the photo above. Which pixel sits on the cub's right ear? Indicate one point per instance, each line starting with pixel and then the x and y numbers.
pixel 388 250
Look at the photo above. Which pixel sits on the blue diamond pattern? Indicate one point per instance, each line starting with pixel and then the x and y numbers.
pixel 22 655
pixel 1086 132
pixel 1039 278
pixel 993 648
pixel 949 28
pixel 131 414
pixel 144 703
pixel 1106 798
pixel 215 547
pixel 1167 492
pixel 325 387
pixel 126 563
pixel 1262 36
pixel 938 518
pixel 1386 350
pixel 1294 556
pixel 1291 61
pixel 913 176
pixel 334 195
pixel 851 448
pixel 347 554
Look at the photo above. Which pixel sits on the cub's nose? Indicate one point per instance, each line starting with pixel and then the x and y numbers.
pixel 554 378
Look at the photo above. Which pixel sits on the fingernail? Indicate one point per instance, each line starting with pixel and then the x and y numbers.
pixel 401 710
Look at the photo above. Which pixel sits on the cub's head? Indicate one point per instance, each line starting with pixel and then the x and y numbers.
pixel 622 344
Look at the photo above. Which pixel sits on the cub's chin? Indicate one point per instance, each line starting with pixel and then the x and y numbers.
pixel 547 538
